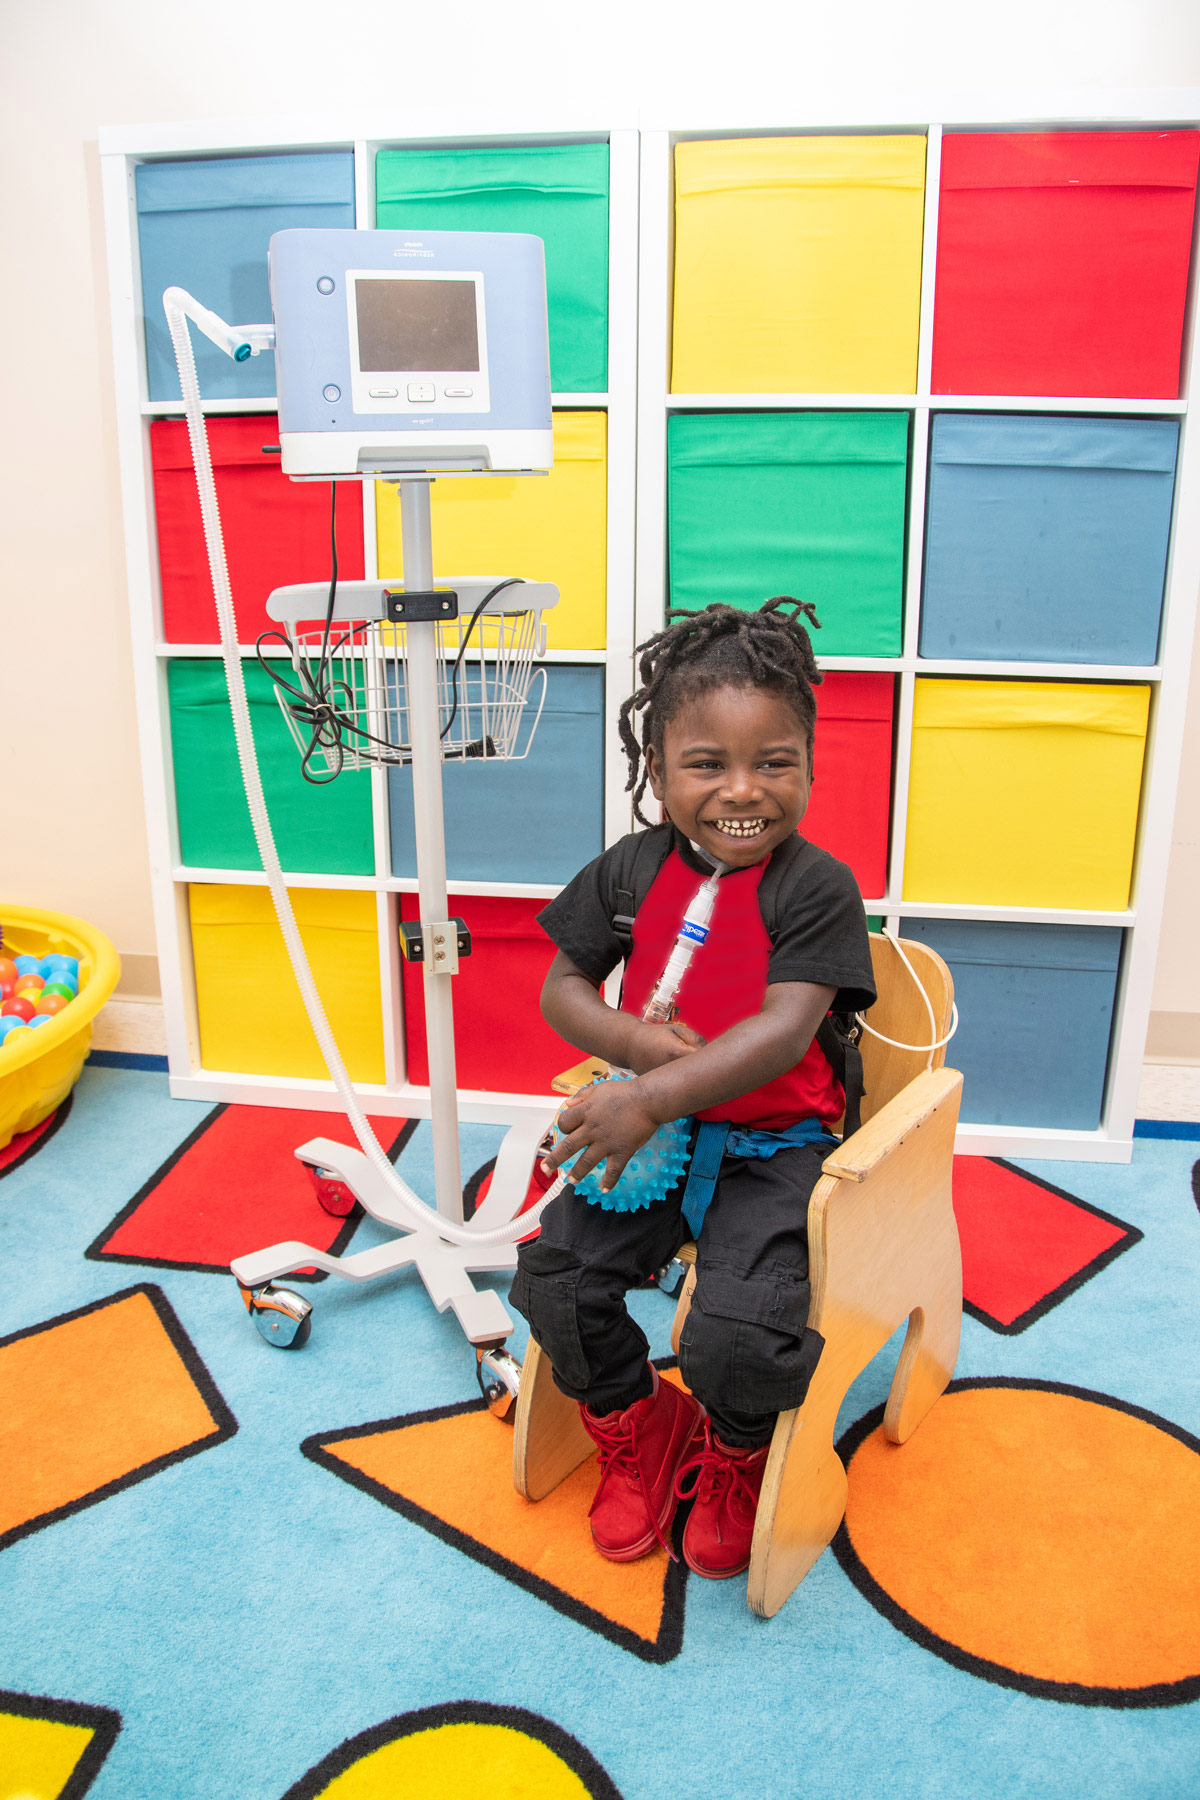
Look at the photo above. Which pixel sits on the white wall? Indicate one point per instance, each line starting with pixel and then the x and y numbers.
pixel 72 835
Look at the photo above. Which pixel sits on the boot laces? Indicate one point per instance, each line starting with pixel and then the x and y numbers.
pixel 715 1478
pixel 619 1438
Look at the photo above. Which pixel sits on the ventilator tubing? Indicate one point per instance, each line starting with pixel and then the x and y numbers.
pixel 178 306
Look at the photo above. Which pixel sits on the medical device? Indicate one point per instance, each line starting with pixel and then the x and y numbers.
pixel 410 352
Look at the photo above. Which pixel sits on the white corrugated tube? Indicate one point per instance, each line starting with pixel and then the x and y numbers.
pixel 178 306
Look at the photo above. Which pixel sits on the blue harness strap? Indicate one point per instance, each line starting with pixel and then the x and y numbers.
pixel 706 1166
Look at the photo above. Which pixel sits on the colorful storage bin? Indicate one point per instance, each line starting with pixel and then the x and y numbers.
pixel 809 504
pixel 318 829
pixel 558 192
pixel 1062 262
pixel 205 226
pixel 852 778
pixel 1047 537
pixel 252 1019
pixel 1035 1006
pixel 798 265
pixel 539 819
pixel 501 1041
pixel 547 528
pixel 276 531
pixel 1024 793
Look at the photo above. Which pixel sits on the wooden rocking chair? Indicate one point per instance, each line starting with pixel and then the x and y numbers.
pixel 883 1246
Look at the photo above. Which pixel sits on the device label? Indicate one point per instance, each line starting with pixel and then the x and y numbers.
pixel 697 933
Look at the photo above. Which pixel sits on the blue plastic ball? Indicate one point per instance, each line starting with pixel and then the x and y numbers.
pixel 650 1173
pixel 9 1025
pixel 27 965
pixel 39 1019
pixel 59 962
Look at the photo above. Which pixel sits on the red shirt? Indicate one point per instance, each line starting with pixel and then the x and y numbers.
pixel 726 983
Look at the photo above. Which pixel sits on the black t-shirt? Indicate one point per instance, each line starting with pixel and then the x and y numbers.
pixel 818 928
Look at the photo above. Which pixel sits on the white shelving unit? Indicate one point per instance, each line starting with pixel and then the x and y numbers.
pixel 122 149
pixel 1168 678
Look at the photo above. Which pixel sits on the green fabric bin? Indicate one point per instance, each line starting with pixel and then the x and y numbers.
pixel 807 504
pixel 319 830
pixel 558 192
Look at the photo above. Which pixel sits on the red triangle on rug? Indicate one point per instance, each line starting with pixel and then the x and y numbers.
pixel 234 1186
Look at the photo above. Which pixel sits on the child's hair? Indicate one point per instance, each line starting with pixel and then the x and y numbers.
pixel 719 647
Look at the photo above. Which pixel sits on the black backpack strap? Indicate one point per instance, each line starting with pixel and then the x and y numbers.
pixel 636 863
pixel 838 1033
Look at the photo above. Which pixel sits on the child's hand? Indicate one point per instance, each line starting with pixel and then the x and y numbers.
pixel 607 1122
pixel 650 1046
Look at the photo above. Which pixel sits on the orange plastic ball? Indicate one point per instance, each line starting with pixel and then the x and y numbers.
pixel 29 984
pixel 8 969
pixel 51 1004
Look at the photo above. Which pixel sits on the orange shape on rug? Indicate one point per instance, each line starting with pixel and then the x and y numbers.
pixel 1050 1532
pixel 457 1469
pixel 95 1399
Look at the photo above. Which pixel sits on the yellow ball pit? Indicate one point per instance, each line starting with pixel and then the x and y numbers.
pixel 38 1071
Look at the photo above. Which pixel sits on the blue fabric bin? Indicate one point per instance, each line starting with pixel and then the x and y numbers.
pixel 205 226
pixel 1047 538
pixel 540 819
pixel 1035 1009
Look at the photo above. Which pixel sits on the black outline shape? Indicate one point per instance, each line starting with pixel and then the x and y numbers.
pixel 96 1252
pixel 57 1119
pixel 1196 1184
pixel 1073 1283
pixel 101 1721
pixel 224 1423
pixel 667 1644
pixel 1071 1693
pixel 577 1757
pixel 473 1185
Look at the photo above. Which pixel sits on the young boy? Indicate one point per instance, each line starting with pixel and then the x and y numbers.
pixel 727 742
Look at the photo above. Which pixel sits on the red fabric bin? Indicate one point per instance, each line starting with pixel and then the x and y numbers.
pixel 852 784
pixel 1062 262
pixel 502 1043
pixel 276 531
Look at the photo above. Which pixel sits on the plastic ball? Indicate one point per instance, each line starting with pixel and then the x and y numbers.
pixel 650 1173
pixel 50 1004
pixel 8 987
pixel 8 1026
pixel 27 965
pixel 58 987
pixel 39 1019
pixel 18 1026
pixel 29 984
pixel 70 964
pixel 8 969
pixel 17 1007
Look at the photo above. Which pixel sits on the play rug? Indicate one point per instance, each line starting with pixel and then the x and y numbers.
pixel 227 1571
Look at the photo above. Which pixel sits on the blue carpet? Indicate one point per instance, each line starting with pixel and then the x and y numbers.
pixel 244 1611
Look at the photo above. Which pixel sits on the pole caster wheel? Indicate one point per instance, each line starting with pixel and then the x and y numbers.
pixel 281 1318
pixel 331 1191
pixel 499 1375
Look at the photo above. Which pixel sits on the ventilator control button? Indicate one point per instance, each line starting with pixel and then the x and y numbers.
pixel 331 392
pixel 458 393
pixel 325 285
pixel 382 393
pixel 421 390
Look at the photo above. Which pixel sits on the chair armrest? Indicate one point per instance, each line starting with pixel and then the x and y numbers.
pixel 857 1156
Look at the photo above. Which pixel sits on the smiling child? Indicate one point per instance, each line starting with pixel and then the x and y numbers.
pixel 728 714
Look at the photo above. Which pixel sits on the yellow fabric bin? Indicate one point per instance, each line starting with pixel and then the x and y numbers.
pixel 547 527
pixel 798 265
pixel 252 1019
pixel 1024 793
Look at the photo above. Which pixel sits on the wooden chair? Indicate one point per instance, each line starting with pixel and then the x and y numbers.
pixel 883 1247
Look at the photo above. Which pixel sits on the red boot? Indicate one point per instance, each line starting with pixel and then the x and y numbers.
pixel 641 1450
pixel 723 1485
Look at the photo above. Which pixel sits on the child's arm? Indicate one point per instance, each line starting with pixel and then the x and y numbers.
pixel 612 1120
pixel 573 1005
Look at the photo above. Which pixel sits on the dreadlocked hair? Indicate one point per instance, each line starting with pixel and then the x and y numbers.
pixel 719 647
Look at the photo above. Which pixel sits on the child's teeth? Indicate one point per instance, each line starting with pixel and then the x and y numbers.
pixel 740 827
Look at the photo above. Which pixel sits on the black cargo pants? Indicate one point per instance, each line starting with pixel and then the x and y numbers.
pixel 746 1351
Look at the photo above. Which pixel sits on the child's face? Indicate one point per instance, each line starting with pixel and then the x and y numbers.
pixel 735 773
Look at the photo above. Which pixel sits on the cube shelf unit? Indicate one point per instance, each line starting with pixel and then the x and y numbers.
pixel 122 150
pixel 1167 677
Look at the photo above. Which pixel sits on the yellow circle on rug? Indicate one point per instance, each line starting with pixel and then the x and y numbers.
pixel 460 1762
pixel 1054 1534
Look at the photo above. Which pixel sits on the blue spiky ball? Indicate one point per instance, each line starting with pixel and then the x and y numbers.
pixel 650 1173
